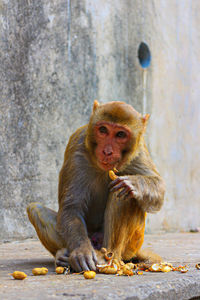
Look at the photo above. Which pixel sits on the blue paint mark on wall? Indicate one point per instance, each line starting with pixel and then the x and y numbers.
pixel 144 55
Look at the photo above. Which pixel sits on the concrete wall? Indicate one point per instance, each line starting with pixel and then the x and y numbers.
pixel 58 56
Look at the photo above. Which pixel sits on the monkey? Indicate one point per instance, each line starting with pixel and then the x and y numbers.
pixel 95 211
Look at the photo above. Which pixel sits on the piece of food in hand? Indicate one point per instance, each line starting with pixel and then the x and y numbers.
pixel 89 274
pixel 19 275
pixel 39 271
pixel 112 175
pixel 60 270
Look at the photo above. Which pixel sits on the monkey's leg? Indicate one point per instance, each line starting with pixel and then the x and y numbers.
pixel 44 221
pixel 124 226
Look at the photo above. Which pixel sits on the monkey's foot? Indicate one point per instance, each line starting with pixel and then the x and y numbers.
pixel 62 258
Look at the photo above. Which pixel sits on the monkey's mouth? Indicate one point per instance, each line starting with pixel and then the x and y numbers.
pixel 107 165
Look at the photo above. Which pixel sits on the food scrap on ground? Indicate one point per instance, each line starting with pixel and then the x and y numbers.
pixel 60 270
pixel 89 274
pixel 114 266
pixel 39 271
pixel 19 275
pixel 198 266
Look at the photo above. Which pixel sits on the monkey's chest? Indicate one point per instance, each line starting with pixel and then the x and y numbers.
pixel 95 213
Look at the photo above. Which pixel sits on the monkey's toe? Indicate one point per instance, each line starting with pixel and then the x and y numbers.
pixel 60 263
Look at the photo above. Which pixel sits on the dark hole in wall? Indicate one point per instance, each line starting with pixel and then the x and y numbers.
pixel 144 55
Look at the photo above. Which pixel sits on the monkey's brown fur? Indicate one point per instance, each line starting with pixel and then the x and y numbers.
pixel 86 204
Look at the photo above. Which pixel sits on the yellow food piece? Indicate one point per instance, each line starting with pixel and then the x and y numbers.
pixel 166 264
pixel 127 272
pixel 166 268
pixel 139 273
pixel 109 255
pixel 117 264
pixel 120 272
pixel 89 274
pixel 184 270
pixel 155 268
pixel 19 275
pixel 112 175
pixel 130 266
pixel 106 269
pixel 60 270
pixel 103 250
pixel 39 271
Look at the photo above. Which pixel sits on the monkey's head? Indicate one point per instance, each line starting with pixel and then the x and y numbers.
pixel 114 133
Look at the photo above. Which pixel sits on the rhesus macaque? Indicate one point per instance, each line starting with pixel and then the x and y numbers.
pixel 95 211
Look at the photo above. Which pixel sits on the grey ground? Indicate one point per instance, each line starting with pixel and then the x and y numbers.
pixel 181 248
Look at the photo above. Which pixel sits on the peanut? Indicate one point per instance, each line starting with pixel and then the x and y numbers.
pixel 89 274
pixel 19 275
pixel 40 271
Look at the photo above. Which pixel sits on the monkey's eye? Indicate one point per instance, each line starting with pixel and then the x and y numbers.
pixel 121 134
pixel 103 129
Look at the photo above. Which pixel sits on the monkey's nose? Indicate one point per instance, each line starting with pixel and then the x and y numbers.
pixel 107 152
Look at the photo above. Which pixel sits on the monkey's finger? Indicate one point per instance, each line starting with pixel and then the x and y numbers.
pixel 91 263
pixel 118 186
pixel 119 179
pixel 60 263
pixel 94 257
pixel 131 194
pixel 74 263
pixel 64 258
pixel 83 264
pixel 124 191
pixel 114 182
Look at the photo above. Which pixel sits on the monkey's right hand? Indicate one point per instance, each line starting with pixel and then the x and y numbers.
pixel 83 258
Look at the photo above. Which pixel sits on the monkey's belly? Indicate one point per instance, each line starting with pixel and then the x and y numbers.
pixel 97 240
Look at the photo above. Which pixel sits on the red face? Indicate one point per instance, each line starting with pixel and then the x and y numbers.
pixel 112 139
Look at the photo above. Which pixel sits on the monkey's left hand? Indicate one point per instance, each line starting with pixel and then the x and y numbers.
pixel 123 183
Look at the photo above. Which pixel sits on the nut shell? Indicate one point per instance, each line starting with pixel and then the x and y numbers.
pixel 166 269
pixel 60 270
pixel 19 275
pixel 89 274
pixel 198 266
pixel 39 271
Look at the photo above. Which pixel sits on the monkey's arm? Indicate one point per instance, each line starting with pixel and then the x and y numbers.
pixel 146 185
pixel 73 196
pixel 72 227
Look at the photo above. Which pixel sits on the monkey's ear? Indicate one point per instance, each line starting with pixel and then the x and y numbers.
pixel 95 105
pixel 145 119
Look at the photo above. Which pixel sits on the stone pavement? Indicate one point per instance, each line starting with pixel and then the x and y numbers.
pixel 177 248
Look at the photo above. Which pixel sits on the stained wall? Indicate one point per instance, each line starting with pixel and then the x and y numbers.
pixel 58 56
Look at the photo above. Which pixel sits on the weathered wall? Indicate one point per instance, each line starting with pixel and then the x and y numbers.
pixel 58 56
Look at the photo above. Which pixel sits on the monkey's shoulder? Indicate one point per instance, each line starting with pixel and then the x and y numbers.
pixel 76 140
pixel 78 136
pixel 142 164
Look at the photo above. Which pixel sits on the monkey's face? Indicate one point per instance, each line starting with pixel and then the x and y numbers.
pixel 112 141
